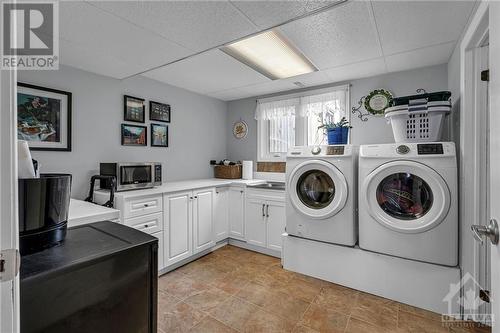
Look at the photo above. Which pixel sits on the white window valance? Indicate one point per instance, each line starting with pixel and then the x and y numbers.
pixel 331 104
pixel 276 109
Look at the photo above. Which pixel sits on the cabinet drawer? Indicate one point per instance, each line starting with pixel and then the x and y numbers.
pixel 148 223
pixel 142 206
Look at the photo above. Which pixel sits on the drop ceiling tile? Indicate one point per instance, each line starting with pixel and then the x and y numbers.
pixel 310 79
pixel 99 32
pixel 429 56
pixel 266 14
pixel 208 72
pixel 272 87
pixel 228 95
pixel 197 25
pixel 91 61
pixel 357 70
pixel 342 35
pixel 407 25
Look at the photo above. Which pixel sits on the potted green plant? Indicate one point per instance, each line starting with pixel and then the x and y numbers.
pixel 338 132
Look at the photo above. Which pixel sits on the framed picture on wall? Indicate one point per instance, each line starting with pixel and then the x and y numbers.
pixel 134 109
pixel 133 135
pixel 44 117
pixel 159 135
pixel 159 111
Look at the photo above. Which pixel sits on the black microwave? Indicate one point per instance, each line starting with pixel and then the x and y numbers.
pixel 131 175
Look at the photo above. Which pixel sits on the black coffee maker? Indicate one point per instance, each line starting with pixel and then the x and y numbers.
pixel 43 211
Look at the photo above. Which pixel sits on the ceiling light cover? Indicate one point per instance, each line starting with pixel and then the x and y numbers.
pixel 270 54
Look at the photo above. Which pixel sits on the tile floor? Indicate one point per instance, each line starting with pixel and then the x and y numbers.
pixel 235 290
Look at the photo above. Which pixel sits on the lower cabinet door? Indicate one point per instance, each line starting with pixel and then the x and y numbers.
pixel 236 212
pixel 177 227
pixel 276 222
pixel 159 235
pixel 203 220
pixel 221 214
pixel 255 222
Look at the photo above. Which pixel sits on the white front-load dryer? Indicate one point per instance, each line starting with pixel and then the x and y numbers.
pixel 320 196
pixel 408 201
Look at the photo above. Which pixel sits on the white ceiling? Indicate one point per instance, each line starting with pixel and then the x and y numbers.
pixel 353 40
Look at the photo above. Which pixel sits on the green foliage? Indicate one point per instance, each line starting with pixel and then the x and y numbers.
pixel 342 123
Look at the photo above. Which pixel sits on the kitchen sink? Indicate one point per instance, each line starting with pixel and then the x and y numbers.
pixel 270 186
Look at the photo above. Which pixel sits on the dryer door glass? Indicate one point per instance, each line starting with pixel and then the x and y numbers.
pixel 404 196
pixel 315 189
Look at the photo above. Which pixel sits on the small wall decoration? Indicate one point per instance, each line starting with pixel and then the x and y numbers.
pixel 44 117
pixel 134 109
pixel 240 129
pixel 133 135
pixel 375 103
pixel 159 111
pixel 159 135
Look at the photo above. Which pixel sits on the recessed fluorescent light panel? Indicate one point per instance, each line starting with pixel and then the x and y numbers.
pixel 270 54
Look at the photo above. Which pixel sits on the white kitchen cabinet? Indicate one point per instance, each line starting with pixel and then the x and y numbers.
pixel 265 218
pixel 159 235
pixel 177 212
pixel 221 213
pixel 236 212
pixel 276 221
pixel 256 226
pixel 203 219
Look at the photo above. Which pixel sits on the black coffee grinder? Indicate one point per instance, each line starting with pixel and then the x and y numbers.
pixel 43 211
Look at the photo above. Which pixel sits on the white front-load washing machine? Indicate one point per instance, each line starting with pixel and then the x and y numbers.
pixel 408 201
pixel 320 195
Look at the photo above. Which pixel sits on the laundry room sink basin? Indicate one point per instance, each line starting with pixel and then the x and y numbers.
pixel 271 186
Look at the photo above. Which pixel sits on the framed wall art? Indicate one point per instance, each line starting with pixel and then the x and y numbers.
pixel 159 112
pixel 134 109
pixel 44 117
pixel 133 135
pixel 159 135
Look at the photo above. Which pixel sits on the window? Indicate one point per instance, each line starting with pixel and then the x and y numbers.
pixel 295 120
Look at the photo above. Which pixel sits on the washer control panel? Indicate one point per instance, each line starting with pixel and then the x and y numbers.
pixel 335 150
pixel 403 149
pixel 430 149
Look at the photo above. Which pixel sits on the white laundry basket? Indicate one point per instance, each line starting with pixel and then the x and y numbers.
pixel 419 120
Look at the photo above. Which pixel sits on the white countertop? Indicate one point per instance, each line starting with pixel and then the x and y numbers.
pixel 82 212
pixel 186 185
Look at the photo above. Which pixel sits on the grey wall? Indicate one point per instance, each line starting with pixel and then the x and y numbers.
pixel 375 130
pixel 197 132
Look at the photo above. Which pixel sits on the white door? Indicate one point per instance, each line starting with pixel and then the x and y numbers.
pixel 221 211
pixel 494 158
pixel 276 220
pixel 203 220
pixel 255 222
pixel 236 213
pixel 9 289
pixel 177 211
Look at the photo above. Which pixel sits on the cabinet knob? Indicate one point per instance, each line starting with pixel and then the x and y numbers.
pixel 196 197
pixel 146 205
pixel 145 226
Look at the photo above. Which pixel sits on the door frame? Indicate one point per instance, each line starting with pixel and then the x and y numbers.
pixel 473 135
pixel 9 234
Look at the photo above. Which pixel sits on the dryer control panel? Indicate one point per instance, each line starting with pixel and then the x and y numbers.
pixel 430 149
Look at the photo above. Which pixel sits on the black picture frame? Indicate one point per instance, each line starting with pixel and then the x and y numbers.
pixel 154 140
pixel 127 140
pixel 133 113
pixel 64 127
pixel 160 112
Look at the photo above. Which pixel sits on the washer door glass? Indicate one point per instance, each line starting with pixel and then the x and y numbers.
pixel 404 196
pixel 315 189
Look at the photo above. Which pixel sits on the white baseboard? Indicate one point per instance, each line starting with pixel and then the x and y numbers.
pixel 411 282
pixel 245 245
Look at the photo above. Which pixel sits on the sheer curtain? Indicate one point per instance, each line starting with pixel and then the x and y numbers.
pixel 281 117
